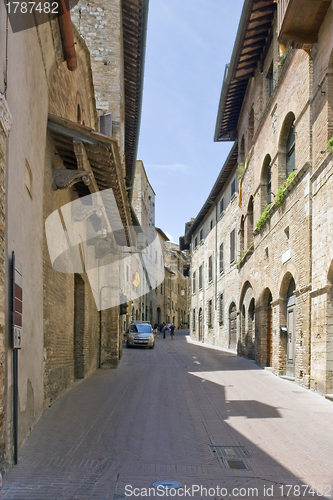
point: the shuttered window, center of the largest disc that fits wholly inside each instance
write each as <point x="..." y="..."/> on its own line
<point x="232" y="245"/>
<point x="200" y="277"/>
<point x="210" y="268"/>
<point x="209" y="312"/>
<point x="220" y="308"/>
<point x="193" y="281"/>
<point x="221" y="258"/>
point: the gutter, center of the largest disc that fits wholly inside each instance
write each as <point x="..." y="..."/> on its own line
<point x="230" y="68"/>
<point x="67" y="38"/>
<point x="135" y="150"/>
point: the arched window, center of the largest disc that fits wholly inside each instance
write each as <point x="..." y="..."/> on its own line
<point x="266" y="183"/>
<point x="287" y="148"/>
<point x="241" y="235"/>
<point x="78" y="113"/>
<point x="290" y="151"/>
<point x="249" y="223"/>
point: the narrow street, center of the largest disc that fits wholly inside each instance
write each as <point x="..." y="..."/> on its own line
<point x="157" y="417"/>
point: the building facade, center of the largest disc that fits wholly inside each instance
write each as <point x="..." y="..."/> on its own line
<point x="276" y="104"/>
<point x="53" y="157"/>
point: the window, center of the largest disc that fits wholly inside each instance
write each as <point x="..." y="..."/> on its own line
<point x="221" y="258"/>
<point x="162" y="288"/>
<point x="233" y="186"/>
<point x="209" y="312"/>
<point x="222" y="205"/>
<point x="201" y="234"/>
<point x="221" y="308"/>
<point x="211" y="224"/>
<point x="193" y="281"/>
<point x="193" y="320"/>
<point x="290" y="151"/>
<point x="232" y="245"/>
<point x="195" y="242"/>
<point x="200" y="277"/>
<point x="210" y="268"/>
<point x="269" y="184"/>
<point x="270" y="80"/>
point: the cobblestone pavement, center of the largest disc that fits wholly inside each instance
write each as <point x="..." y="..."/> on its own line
<point x="157" y="417"/>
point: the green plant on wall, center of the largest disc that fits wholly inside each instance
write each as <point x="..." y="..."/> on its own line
<point x="265" y="216"/>
<point x="280" y="195"/>
<point x="330" y="144"/>
<point x="240" y="170"/>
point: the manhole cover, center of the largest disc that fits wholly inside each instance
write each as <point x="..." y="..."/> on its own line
<point x="232" y="457"/>
<point x="166" y="485"/>
<point x="236" y="464"/>
<point x="230" y="451"/>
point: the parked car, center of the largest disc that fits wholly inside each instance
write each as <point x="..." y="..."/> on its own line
<point x="140" y="334"/>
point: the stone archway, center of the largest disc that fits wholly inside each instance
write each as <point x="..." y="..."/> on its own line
<point x="288" y="320"/>
<point x="200" y="325"/>
<point x="232" y="326"/>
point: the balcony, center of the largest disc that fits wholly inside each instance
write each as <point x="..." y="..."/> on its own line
<point x="299" y="21"/>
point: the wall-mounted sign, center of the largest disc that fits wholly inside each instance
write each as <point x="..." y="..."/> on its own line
<point x="17" y="303"/>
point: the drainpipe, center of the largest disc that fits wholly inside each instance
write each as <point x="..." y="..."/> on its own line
<point x="216" y="262"/>
<point x="67" y="37"/>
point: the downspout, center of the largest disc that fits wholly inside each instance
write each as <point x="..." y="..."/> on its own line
<point x="67" y="37"/>
<point x="216" y="263"/>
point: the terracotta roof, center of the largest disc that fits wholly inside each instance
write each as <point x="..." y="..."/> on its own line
<point x="253" y="38"/>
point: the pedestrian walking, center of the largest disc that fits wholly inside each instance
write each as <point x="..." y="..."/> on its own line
<point x="165" y="327"/>
<point x="172" y="331"/>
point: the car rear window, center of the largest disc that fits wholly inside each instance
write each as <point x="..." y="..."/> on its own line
<point x="141" y="328"/>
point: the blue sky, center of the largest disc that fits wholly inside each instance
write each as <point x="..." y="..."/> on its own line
<point x="189" y="42"/>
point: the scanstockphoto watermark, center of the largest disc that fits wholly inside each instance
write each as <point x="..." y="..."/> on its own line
<point x="122" y="262"/>
<point x="267" y="490"/>
<point x="191" y="491"/>
<point x="25" y="14"/>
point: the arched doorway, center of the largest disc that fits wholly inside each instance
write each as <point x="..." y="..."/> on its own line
<point x="291" y="316"/>
<point x="79" y="317"/>
<point x="269" y="331"/>
<point x="251" y="331"/>
<point x="232" y="326"/>
<point x="200" y="324"/>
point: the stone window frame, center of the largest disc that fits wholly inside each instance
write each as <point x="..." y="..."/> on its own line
<point x="210" y="268"/>
<point x="221" y="260"/>
<point x="233" y="245"/>
<point x="288" y="124"/>
<point x="194" y="282"/>
<point x="200" y="277"/>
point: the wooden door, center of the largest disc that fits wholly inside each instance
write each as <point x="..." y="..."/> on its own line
<point x="269" y="336"/>
<point x="233" y="327"/>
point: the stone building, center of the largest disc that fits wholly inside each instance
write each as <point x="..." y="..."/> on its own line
<point x="213" y="240"/>
<point x="176" y="285"/>
<point x="52" y="155"/>
<point x="166" y="300"/>
<point x="276" y="104"/>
